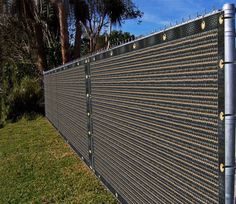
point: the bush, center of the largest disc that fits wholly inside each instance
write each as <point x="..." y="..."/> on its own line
<point x="3" y="112"/>
<point x="26" y="98"/>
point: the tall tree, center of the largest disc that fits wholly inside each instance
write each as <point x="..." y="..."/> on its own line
<point x="38" y="26"/>
<point x="81" y="15"/>
<point x="64" y="33"/>
<point x="26" y="12"/>
<point x="102" y="13"/>
<point x="114" y="37"/>
<point x="25" y="44"/>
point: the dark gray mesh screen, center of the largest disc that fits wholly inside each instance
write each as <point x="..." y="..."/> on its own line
<point x="155" y="121"/>
<point x="146" y="118"/>
<point x="50" y="99"/>
<point x="69" y="106"/>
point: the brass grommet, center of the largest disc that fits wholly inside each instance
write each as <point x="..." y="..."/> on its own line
<point x="221" y="19"/>
<point x="222" y="116"/>
<point x="221" y="64"/>
<point x="222" y="167"/>
<point x="164" y="37"/>
<point x="134" y="46"/>
<point x="203" y="25"/>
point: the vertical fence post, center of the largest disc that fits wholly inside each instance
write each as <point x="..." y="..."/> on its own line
<point x="230" y="101"/>
<point x="89" y="111"/>
<point x="56" y="101"/>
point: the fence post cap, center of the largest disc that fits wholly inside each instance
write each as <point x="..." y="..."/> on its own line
<point x="228" y="6"/>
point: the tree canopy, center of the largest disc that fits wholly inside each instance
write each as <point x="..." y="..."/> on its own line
<point x="37" y="35"/>
<point x="105" y="13"/>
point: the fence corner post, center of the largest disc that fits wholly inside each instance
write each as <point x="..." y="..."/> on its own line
<point x="230" y="100"/>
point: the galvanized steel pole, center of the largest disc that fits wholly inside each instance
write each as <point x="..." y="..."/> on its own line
<point x="230" y="101"/>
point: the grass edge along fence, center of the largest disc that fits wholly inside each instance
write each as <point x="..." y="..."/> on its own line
<point x="154" y="118"/>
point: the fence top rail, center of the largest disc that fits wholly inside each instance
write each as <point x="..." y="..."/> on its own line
<point x="85" y="59"/>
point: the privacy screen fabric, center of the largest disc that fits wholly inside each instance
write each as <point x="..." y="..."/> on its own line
<point x="145" y="116"/>
<point x="65" y="101"/>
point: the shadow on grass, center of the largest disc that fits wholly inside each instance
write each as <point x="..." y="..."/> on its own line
<point x="32" y="116"/>
<point x="27" y="116"/>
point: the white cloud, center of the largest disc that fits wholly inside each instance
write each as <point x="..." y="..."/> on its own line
<point x="151" y="18"/>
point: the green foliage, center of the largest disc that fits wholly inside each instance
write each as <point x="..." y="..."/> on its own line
<point x="84" y="46"/>
<point x="30" y="43"/>
<point x="2" y="111"/>
<point x="54" y="58"/>
<point x="21" y="92"/>
<point x="114" y="37"/>
<point x="119" y="36"/>
<point x="20" y="73"/>
<point x="36" y="166"/>
<point x="25" y="98"/>
<point x="102" y="14"/>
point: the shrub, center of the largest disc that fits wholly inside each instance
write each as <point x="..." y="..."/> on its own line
<point x="26" y="98"/>
<point x="3" y="112"/>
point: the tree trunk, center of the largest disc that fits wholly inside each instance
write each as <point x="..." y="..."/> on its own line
<point x="78" y="40"/>
<point x="91" y="49"/>
<point x="93" y="43"/>
<point x="109" y="35"/>
<point x="64" y="34"/>
<point x="41" y="55"/>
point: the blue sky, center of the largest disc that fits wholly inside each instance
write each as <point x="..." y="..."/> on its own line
<point x="158" y="13"/>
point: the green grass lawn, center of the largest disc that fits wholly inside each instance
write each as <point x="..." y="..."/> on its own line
<point x="37" y="166"/>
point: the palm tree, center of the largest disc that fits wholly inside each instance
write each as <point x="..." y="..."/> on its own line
<point x="40" y="33"/>
<point x="64" y="33"/>
<point x="26" y="12"/>
<point x="90" y="15"/>
<point x="102" y="13"/>
<point x="81" y="15"/>
<point x="119" y="10"/>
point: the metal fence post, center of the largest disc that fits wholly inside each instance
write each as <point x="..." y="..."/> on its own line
<point x="230" y="101"/>
<point x="89" y="112"/>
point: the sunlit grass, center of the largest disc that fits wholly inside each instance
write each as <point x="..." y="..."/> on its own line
<point x="37" y="166"/>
